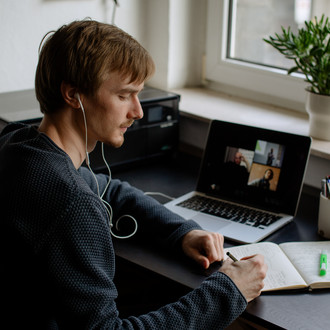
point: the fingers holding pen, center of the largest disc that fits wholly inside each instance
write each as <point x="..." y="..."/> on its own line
<point x="248" y="274"/>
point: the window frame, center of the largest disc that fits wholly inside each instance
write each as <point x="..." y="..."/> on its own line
<point x="258" y="82"/>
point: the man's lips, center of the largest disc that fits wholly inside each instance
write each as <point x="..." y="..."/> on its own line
<point x="125" y="127"/>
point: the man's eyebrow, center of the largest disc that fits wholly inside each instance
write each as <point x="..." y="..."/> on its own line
<point x="129" y="90"/>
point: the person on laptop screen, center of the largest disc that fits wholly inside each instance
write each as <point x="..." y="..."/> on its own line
<point x="237" y="170"/>
<point x="59" y="218"/>
<point x="264" y="182"/>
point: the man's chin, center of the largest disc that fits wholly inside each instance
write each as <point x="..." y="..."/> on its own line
<point x="118" y="145"/>
<point x="114" y="144"/>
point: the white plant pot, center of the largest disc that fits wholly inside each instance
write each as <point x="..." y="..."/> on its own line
<point x="318" y="109"/>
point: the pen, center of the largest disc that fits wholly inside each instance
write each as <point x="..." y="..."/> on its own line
<point x="324" y="188"/>
<point x="323" y="264"/>
<point x="327" y="179"/>
<point x="231" y="256"/>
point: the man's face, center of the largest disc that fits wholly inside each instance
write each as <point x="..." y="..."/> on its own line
<point x="112" y="110"/>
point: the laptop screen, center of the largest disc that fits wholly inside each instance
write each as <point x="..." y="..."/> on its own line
<point x="254" y="166"/>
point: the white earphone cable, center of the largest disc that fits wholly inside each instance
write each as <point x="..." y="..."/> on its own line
<point x="105" y="203"/>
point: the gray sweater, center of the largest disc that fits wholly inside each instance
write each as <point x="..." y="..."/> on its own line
<point x="57" y="255"/>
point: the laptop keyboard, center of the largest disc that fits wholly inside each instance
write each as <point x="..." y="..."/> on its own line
<point x="230" y="211"/>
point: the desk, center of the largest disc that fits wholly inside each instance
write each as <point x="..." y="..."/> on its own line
<point x="293" y="310"/>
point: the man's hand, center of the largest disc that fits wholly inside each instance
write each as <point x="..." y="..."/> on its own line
<point x="243" y="159"/>
<point x="248" y="274"/>
<point x="203" y="247"/>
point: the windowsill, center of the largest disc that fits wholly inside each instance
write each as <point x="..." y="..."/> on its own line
<point x="206" y="105"/>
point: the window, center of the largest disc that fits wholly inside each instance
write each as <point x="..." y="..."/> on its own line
<point x="239" y="61"/>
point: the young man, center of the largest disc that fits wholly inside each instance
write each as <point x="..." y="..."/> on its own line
<point x="57" y="256"/>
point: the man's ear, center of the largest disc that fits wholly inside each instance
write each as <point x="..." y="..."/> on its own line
<point x="69" y="93"/>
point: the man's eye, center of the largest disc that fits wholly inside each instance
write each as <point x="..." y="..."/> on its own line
<point x="123" y="97"/>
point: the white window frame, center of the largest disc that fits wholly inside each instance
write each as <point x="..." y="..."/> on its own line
<point x="258" y="82"/>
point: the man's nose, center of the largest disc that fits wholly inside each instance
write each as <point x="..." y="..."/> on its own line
<point x="137" y="111"/>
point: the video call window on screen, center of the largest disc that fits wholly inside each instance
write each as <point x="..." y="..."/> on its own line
<point x="260" y="167"/>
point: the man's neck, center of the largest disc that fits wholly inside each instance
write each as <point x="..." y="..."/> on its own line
<point x="63" y="129"/>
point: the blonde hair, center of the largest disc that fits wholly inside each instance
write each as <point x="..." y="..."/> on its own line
<point x="82" y="53"/>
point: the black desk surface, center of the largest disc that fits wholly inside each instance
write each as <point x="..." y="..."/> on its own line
<point x="289" y="310"/>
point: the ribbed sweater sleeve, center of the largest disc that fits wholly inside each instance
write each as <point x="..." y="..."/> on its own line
<point x="153" y="219"/>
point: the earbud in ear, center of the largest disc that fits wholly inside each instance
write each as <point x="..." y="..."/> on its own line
<point x="77" y="96"/>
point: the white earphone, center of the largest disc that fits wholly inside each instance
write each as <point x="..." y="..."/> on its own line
<point x="105" y="203"/>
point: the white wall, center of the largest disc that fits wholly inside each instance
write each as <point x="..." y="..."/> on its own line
<point x="172" y="30"/>
<point x="157" y="39"/>
<point x="25" y="22"/>
<point x="187" y="24"/>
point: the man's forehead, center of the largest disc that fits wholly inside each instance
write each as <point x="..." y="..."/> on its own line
<point x="122" y="83"/>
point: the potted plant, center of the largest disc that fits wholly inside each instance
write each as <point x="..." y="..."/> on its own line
<point x="310" y="51"/>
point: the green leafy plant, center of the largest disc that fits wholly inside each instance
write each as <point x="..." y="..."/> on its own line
<point x="310" y="50"/>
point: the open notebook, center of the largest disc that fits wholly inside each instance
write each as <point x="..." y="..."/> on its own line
<point x="249" y="183"/>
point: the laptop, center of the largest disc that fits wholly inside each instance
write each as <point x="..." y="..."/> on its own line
<point x="249" y="183"/>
